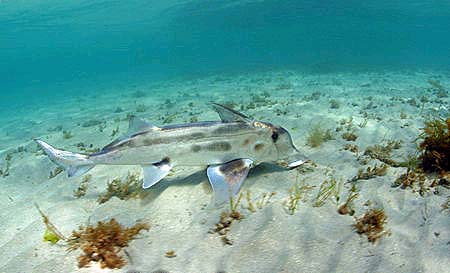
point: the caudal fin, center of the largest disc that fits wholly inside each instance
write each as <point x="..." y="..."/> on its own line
<point x="75" y="164"/>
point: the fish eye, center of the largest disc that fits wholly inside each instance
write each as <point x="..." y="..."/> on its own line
<point x="275" y="136"/>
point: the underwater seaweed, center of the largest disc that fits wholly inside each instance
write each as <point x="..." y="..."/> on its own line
<point x="87" y="148"/>
<point x="329" y="187"/>
<point x="260" y="202"/>
<point x="5" y="172"/>
<point x="383" y="152"/>
<point x="370" y="172"/>
<point x="82" y="188"/>
<point x="347" y="207"/>
<point x="351" y="147"/>
<point x="226" y="220"/>
<point x="67" y="134"/>
<point x="55" y="172"/>
<point x="130" y="188"/>
<point x="103" y="243"/>
<point x="317" y="135"/>
<point x="296" y="194"/>
<point x="334" y="104"/>
<point x="115" y="132"/>
<point x="371" y="224"/>
<point x="51" y="234"/>
<point x="435" y="146"/>
<point x="349" y="136"/>
<point x="409" y="179"/>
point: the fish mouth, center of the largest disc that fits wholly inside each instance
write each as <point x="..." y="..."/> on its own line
<point x="296" y="163"/>
<point x="293" y="161"/>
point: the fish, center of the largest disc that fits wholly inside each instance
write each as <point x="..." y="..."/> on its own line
<point x="228" y="149"/>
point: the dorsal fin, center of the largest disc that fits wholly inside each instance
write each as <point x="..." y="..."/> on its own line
<point x="139" y="125"/>
<point x="229" y="115"/>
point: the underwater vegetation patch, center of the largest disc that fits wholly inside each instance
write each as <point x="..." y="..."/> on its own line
<point x="124" y="190"/>
<point x="67" y="134"/>
<point x="51" y="234"/>
<point x="5" y="172"/>
<point x="435" y="146"/>
<point x="296" y="194"/>
<point x="318" y="135"/>
<point x="334" y="104"/>
<point x="227" y="218"/>
<point x="370" y="172"/>
<point x="349" y="136"/>
<point x="264" y="199"/>
<point x="329" y="187"/>
<point x="410" y="178"/>
<point x="102" y="243"/>
<point x="55" y="172"/>
<point x="383" y="152"/>
<point x="352" y="148"/>
<point x="82" y="188"/>
<point x="371" y="224"/>
<point x="347" y="207"/>
<point x="87" y="148"/>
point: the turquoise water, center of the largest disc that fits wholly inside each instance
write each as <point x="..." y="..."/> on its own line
<point x="47" y="43"/>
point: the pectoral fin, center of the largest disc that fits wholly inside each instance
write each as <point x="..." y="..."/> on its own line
<point x="226" y="179"/>
<point x="155" y="172"/>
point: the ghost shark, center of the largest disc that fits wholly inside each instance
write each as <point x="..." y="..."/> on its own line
<point x="229" y="148"/>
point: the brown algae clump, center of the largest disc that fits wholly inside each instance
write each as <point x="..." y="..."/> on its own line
<point x="124" y="190"/>
<point x="347" y="207"/>
<point x="370" y="172"/>
<point x="435" y="146"/>
<point x="82" y="188"/>
<point x="383" y="152"/>
<point x="104" y="242"/>
<point x="227" y="219"/>
<point x="371" y="224"/>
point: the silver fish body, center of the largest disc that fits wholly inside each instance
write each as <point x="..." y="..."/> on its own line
<point x="228" y="147"/>
<point x="192" y="144"/>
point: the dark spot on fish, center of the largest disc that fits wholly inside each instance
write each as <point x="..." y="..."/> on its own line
<point x="259" y="147"/>
<point x="220" y="146"/>
<point x="196" y="148"/>
<point x="164" y="161"/>
<point x="246" y="142"/>
<point x="197" y="135"/>
<point x="148" y="142"/>
<point x="233" y="166"/>
<point x="275" y="136"/>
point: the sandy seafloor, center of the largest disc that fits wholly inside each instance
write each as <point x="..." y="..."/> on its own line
<point x="313" y="239"/>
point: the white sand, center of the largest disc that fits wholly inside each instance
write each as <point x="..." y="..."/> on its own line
<point x="313" y="239"/>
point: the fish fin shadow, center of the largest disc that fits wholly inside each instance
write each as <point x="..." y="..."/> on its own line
<point x="200" y="177"/>
<point x="194" y="178"/>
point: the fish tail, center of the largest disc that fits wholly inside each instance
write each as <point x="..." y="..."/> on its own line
<point x="75" y="164"/>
